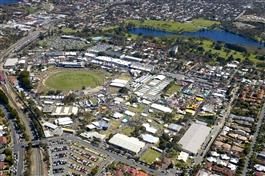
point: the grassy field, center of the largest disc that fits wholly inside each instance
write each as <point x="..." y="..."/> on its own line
<point x="172" y="26"/>
<point x="150" y="156"/>
<point x="127" y="130"/>
<point x="68" y="31"/>
<point x="173" y="88"/>
<point x="207" y="45"/>
<point x="74" y="80"/>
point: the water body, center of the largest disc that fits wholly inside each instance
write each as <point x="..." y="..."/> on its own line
<point x="223" y="36"/>
<point x="215" y="35"/>
<point x="8" y="1"/>
<point x="150" y="32"/>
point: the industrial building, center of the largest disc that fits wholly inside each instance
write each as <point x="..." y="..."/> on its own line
<point x="10" y="63"/>
<point x="130" y="144"/>
<point x="65" y="111"/>
<point x="194" y="137"/>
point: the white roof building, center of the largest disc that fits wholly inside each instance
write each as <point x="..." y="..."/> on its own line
<point x="10" y="62"/>
<point x="194" y="138"/>
<point x="149" y="129"/>
<point x="117" y="115"/>
<point x="259" y="167"/>
<point x="131" y="144"/>
<point x="118" y="83"/>
<point x="47" y="133"/>
<point x="150" y="138"/>
<point x="65" y="111"/>
<point x="63" y="121"/>
<point x="183" y="156"/>
<point x="161" y="108"/>
<point x="49" y="125"/>
<point x="93" y="134"/>
<point x="129" y="113"/>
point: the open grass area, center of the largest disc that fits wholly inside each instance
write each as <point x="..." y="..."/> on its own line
<point x="208" y="46"/>
<point x="68" y="30"/>
<point x="127" y="130"/>
<point x="150" y="156"/>
<point x="74" y="80"/>
<point x="173" y="88"/>
<point x="172" y="26"/>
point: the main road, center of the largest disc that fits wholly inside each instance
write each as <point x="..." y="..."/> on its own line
<point x="12" y="95"/>
<point x="19" y="151"/>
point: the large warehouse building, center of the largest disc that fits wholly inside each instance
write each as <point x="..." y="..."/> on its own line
<point x="194" y="137"/>
<point x="130" y="144"/>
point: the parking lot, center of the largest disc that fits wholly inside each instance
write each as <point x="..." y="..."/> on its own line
<point x="68" y="158"/>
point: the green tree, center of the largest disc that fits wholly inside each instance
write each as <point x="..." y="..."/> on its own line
<point x="24" y="80"/>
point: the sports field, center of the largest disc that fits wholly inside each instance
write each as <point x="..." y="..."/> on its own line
<point x="74" y="80"/>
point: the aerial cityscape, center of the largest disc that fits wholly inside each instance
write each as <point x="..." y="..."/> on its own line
<point x="132" y="88"/>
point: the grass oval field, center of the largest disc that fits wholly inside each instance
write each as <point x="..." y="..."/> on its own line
<point x="74" y="80"/>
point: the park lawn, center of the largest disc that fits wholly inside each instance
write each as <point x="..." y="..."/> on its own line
<point x="150" y="156"/>
<point x="207" y="45"/>
<point x="127" y="130"/>
<point x="173" y="88"/>
<point x="172" y="26"/>
<point x="68" y="31"/>
<point x="110" y="28"/>
<point x="74" y="80"/>
<point x="133" y="36"/>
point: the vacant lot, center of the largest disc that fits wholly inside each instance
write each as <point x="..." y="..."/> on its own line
<point x="74" y="80"/>
<point x="150" y="156"/>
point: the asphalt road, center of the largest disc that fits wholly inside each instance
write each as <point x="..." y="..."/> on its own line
<point x="15" y="139"/>
<point x="8" y="89"/>
<point x="261" y="117"/>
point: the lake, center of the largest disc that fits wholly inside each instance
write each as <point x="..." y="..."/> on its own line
<point x="215" y="35"/>
<point x="8" y="1"/>
<point x="150" y="32"/>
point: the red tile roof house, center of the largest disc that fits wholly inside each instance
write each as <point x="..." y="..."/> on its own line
<point x="3" y="165"/>
<point x="3" y="140"/>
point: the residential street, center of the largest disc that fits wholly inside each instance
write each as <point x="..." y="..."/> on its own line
<point x="261" y="117"/>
